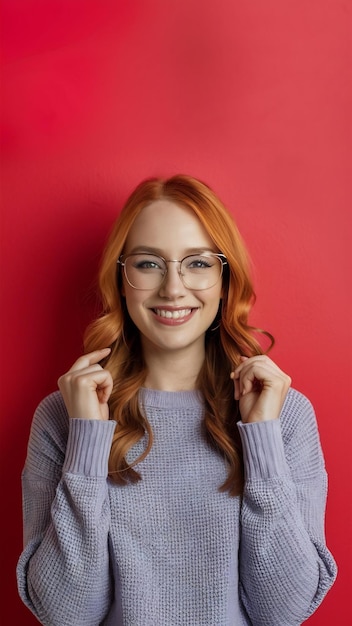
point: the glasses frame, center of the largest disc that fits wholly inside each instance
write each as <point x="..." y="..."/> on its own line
<point x="123" y="257"/>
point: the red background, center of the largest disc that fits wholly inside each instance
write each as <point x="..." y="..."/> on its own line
<point x="254" y="98"/>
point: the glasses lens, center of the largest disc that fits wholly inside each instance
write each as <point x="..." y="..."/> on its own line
<point x="201" y="271"/>
<point x="145" y="271"/>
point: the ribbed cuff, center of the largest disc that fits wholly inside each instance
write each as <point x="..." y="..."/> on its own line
<point x="88" y="447"/>
<point x="263" y="450"/>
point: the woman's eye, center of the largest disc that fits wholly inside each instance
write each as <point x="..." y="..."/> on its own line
<point x="148" y="265"/>
<point x="199" y="264"/>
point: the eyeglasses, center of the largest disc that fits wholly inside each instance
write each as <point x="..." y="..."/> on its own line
<point x="148" y="271"/>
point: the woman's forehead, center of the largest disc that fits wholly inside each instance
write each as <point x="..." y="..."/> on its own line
<point x="163" y="223"/>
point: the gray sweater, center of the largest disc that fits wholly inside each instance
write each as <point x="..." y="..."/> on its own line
<point x="172" y="550"/>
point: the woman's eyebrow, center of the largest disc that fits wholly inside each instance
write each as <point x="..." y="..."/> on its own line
<point x="160" y="252"/>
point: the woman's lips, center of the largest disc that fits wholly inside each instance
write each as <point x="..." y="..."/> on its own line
<point x="172" y="317"/>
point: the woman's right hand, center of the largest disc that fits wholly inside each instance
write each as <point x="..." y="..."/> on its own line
<point x="86" y="387"/>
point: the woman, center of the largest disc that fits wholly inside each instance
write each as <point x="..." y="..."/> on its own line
<point x="175" y="478"/>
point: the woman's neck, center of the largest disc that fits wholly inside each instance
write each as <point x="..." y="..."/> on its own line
<point x="177" y="371"/>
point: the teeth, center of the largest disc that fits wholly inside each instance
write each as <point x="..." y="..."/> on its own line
<point x="174" y="315"/>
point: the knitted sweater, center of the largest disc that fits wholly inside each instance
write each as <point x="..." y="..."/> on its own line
<point x="171" y="549"/>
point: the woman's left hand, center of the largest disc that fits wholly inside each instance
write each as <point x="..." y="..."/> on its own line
<point x="260" y="388"/>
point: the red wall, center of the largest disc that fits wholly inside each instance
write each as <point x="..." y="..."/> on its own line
<point x="253" y="98"/>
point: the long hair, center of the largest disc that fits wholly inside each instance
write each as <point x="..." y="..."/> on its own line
<point x="230" y="336"/>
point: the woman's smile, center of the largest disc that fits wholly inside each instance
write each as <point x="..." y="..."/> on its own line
<point x="173" y="316"/>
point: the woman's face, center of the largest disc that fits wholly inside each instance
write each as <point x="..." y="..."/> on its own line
<point x="170" y="316"/>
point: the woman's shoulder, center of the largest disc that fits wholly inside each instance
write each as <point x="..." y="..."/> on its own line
<point x="296" y="411"/>
<point x="52" y="403"/>
<point x="51" y="416"/>
<point x="48" y="438"/>
<point x="299" y="427"/>
<point x="296" y="401"/>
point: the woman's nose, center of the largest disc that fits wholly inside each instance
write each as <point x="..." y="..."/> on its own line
<point x="172" y="285"/>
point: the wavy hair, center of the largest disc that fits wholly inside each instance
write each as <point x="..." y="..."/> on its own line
<point x="230" y="337"/>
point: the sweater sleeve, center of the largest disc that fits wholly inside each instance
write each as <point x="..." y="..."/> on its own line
<point x="285" y="566"/>
<point x="64" y="572"/>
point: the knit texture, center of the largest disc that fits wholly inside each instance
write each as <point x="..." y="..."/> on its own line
<point x="172" y="549"/>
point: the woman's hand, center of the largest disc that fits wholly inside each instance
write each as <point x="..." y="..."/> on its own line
<point x="260" y="388"/>
<point x="86" y="387"/>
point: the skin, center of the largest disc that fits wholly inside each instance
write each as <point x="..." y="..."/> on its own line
<point x="173" y="349"/>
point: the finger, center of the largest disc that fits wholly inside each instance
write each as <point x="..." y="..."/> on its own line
<point x="247" y="361"/>
<point x="236" y="375"/>
<point x="95" y="379"/>
<point x="236" y="384"/>
<point x="104" y="392"/>
<point x="73" y="375"/>
<point x="90" y="359"/>
<point x="260" y="361"/>
<point x="242" y="383"/>
<point x="247" y="383"/>
<point x="234" y="372"/>
<point x="260" y="378"/>
<point x="255" y="372"/>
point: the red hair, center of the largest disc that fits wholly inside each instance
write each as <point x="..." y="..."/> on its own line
<point x="223" y="346"/>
